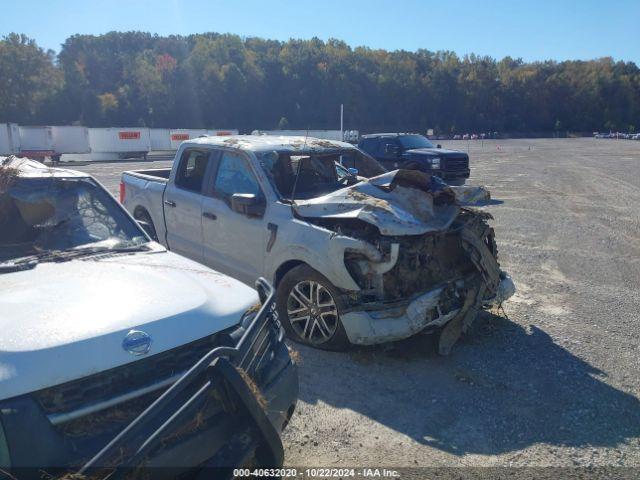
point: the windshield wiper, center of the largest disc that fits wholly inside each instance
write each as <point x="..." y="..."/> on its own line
<point x="26" y="263"/>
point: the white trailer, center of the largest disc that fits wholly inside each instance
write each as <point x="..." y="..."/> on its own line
<point x="9" y="139"/>
<point x="346" y="136"/>
<point x="53" y="141"/>
<point x="160" y="139"/>
<point x="69" y="140"/>
<point x="36" y="142"/>
<point x="165" y="139"/>
<point x="180" y="135"/>
<point x="119" y="142"/>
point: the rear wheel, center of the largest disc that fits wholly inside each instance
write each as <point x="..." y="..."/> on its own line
<point x="310" y="308"/>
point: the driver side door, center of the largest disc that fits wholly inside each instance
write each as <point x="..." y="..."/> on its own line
<point x="234" y="243"/>
<point x="389" y="151"/>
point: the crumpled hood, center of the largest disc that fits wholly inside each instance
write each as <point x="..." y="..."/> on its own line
<point x="435" y="152"/>
<point x="402" y="202"/>
<point x="64" y="321"/>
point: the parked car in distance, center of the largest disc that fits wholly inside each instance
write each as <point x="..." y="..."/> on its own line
<point x="415" y="152"/>
<point x="98" y="321"/>
<point x="354" y="262"/>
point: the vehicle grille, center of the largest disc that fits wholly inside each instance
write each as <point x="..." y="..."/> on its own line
<point x="456" y="164"/>
<point x="136" y="376"/>
<point x="118" y="381"/>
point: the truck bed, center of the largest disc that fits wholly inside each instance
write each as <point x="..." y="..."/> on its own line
<point x="151" y="174"/>
<point x="142" y="193"/>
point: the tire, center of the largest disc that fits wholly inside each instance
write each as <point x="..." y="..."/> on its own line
<point x="143" y="217"/>
<point x="317" y="305"/>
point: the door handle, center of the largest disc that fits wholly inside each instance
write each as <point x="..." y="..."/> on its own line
<point x="210" y="216"/>
<point x="170" y="203"/>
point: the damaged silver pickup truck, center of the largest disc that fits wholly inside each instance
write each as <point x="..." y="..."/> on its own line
<point x="354" y="261"/>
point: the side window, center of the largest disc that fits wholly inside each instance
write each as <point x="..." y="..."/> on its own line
<point x="235" y="176"/>
<point x="386" y="147"/>
<point x="190" y="174"/>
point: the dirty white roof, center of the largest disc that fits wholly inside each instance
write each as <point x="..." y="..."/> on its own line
<point x="267" y="143"/>
<point x="29" y="168"/>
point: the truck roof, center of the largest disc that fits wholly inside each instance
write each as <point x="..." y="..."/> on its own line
<point x="28" y="168"/>
<point x="267" y="143"/>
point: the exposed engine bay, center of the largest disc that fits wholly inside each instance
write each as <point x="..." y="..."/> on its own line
<point x="431" y="248"/>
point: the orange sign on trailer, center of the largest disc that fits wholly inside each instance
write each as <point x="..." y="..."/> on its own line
<point x="129" y="135"/>
<point x="179" y="137"/>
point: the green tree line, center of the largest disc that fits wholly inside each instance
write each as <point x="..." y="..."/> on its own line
<point x="225" y="81"/>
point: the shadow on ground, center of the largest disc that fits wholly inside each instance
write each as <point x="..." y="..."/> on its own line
<point x="503" y="388"/>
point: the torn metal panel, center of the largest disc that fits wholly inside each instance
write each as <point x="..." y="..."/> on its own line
<point x="402" y="202"/>
<point x="459" y="271"/>
<point x="430" y="310"/>
<point x="470" y="195"/>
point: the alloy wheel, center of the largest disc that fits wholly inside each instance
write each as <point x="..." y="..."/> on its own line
<point x="312" y="312"/>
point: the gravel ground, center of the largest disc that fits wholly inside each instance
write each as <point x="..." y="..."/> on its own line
<point x="556" y="383"/>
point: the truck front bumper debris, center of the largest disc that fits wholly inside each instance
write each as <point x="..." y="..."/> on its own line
<point x="428" y="311"/>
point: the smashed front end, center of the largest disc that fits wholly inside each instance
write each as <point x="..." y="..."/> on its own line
<point x="437" y="264"/>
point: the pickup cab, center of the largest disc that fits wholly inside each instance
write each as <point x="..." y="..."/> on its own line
<point x="100" y="324"/>
<point x="354" y="261"/>
<point x="416" y="152"/>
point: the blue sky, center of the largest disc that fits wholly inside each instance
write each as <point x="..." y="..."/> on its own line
<point x="533" y="30"/>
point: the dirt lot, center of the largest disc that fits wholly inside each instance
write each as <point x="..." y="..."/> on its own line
<point x="554" y="384"/>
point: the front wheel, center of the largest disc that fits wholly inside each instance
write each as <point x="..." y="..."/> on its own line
<point x="310" y="308"/>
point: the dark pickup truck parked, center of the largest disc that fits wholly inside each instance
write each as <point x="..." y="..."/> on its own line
<point x="416" y="152"/>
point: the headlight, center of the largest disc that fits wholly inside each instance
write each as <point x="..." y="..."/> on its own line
<point x="435" y="162"/>
<point x="5" y="460"/>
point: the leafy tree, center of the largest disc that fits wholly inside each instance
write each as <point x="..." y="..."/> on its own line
<point x="224" y="81"/>
<point x="29" y="80"/>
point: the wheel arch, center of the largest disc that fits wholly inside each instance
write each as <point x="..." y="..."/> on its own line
<point x="142" y="215"/>
<point x="139" y="211"/>
<point x="415" y="165"/>
<point x="283" y="269"/>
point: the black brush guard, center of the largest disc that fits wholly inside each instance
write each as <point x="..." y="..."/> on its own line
<point x="219" y="370"/>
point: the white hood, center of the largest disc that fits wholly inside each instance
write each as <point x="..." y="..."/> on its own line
<point x="64" y="321"/>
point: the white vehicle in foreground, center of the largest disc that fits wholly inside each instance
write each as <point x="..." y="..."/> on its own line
<point x="354" y="261"/>
<point x="98" y="321"/>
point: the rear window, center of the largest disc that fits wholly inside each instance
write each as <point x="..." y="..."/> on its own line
<point x="190" y="174"/>
<point x="369" y="144"/>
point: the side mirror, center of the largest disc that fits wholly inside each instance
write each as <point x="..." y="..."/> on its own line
<point x="353" y="171"/>
<point x="438" y="146"/>
<point x="247" y="204"/>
